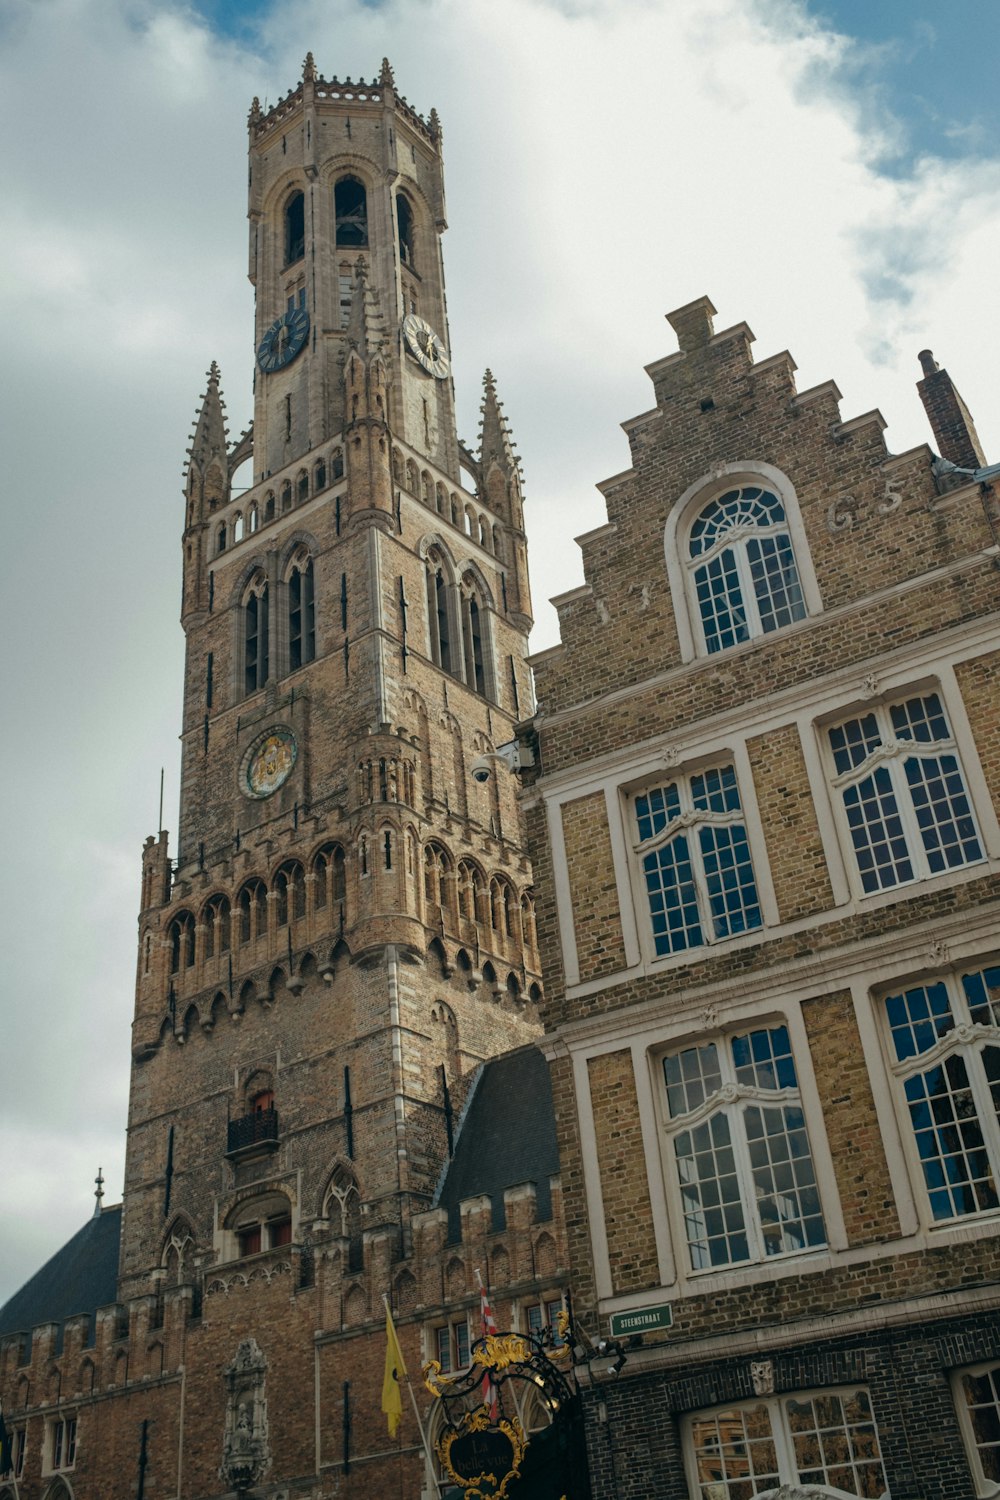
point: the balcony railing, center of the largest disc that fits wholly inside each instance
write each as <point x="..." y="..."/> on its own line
<point x="259" y="1129"/>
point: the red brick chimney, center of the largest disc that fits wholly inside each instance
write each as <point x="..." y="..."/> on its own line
<point x="950" y="418"/>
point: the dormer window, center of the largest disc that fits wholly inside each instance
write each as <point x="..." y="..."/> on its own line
<point x="350" y="206"/>
<point x="295" y="228"/>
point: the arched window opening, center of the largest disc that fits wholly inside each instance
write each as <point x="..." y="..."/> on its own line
<point x="435" y="875"/>
<point x="484" y="533"/>
<point x="302" y="486"/>
<point x="239" y="530"/>
<point x="528" y="933"/>
<point x="216" y="923"/>
<point x="253" y="911"/>
<point x="220" y="537"/>
<point x="743" y="568"/>
<point x="269" y="506"/>
<point x="350" y="207"/>
<point x="363" y="852"/>
<point x="289" y="893"/>
<point x="328" y="867"/>
<point x="255" y="635"/>
<point x="412" y="477"/>
<point x="286" y="495"/>
<point x="475" y="670"/>
<point x="337" y="465"/>
<point x="253" y="519"/>
<point x="319" y="474"/>
<point x="295" y="228"/>
<point x="387" y="849"/>
<point x="343" y="1208"/>
<point x="264" y="1224"/>
<point x="181" y="936"/>
<point x="437" y="615"/>
<point x="404" y="219"/>
<point x="301" y="615"/>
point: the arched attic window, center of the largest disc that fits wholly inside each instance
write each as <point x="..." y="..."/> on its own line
<point x="742" y="567"/>
<point x="350" y="208"/>
<point x="255" y="633"/>
<point x="404" y="221"/>
<point x="295" y="228"/>
<point x="263" y="1223"/>
<point x="301" y="612"/>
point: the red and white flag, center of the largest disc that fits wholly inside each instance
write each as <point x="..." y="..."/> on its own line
<point x="490" y="1396"/>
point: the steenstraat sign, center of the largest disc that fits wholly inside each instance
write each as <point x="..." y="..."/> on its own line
<point x="641" y="1320"/>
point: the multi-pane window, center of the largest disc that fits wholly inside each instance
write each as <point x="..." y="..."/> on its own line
<point x="977" y="1393"/>
<point x="945" y="1044"/>
<point x="739" y="1150"/>
<point x="15" y="1467"/>
<point x="904" y="797"/>
<point x="826" y="1438"/>
<point x="452" y="1345"/>
<point x="63" y="1441"/>
<point x="743" y="567"/>
<point x="544" y="1316"/>
<point x="695" y="860"/>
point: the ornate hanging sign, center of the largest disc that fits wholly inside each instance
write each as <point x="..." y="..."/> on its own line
<point x="483" y="1441"/>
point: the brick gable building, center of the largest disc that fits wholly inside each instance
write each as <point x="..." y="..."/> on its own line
<point x="765" y="833"/>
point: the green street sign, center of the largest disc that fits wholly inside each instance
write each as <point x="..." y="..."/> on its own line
<point x="642" y="1320"/>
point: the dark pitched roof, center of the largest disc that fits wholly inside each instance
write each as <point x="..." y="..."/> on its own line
<point x="507" y="1136"/>
<point x="80" y="1278"/>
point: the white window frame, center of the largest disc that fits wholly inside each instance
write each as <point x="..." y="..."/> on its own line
<point x="61" y="1442"/>
<point x="451" y="1330"/>
<point x="689" y="822"/>
<point x="729" y="1100"/>
<point x="966" y="1039"/>
<point x="685" y="511"/>
<point x="891" y="753"/>
<point x="985" y="1488"/>
<point x="781" y="1435"/>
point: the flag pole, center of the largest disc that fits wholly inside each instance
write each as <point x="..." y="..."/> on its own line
<point x="420" y="1426"/>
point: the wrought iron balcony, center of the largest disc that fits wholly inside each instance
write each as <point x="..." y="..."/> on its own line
<point x="252" y="1133"/>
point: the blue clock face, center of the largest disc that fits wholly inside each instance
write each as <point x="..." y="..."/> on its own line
<point x="283" y="340"/>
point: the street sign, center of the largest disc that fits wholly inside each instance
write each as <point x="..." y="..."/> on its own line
<point x="641" y="1320"/>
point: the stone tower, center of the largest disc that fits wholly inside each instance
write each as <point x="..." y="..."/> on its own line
<point x="346" y="929"/>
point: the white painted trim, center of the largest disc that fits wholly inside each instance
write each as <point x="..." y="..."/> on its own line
<point x="592" y="1177"/>
<point x="563" y="894"/>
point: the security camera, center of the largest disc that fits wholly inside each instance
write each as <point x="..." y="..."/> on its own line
<point x="482" y="769"/>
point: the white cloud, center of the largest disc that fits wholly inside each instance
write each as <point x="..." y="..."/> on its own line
<point x="606" y="161"/>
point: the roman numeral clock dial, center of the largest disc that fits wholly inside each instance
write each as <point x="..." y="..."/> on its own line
<point x="283" y="340"/>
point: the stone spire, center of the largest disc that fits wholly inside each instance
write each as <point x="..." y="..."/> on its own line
<point x="209" y="439"/>
<point x="495" y="442"/>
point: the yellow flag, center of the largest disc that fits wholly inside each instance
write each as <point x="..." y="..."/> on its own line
<point x="395" y="1371"/>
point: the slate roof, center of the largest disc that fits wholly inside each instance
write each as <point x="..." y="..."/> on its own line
<point x="80" y="1278"/>
<point x="507" y="1136"/>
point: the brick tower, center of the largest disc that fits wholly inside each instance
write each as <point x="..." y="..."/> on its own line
<point x="347" y="927"/>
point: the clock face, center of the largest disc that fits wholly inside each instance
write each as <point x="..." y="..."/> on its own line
<point x="283" y="340"/>
<point x="269" y="763"/>
<point x="425" y="346"/>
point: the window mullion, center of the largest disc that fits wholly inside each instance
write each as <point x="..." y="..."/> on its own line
<point x="744" y="1173"/>
<point x="788" y="1469"/>
<point x="908" y="816"/>
<point x="747" y="591"/>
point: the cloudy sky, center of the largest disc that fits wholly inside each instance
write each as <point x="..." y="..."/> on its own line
<point x="829" y="172"/>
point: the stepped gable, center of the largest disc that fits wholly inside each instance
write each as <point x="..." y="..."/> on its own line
<point x="507" y="1136"/>
<point x="80" y="1278"/>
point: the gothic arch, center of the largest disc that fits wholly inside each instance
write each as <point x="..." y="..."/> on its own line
<point x="179" y="1242"/>
<point x="430" y="542"/>
<point x="467" y="568"/>
<point x="299" y="538"/>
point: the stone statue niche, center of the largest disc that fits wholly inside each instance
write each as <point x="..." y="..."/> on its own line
<point x="246" y="1454"/>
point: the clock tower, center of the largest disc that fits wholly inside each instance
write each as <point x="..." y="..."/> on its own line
<point x="345" y="928"/>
